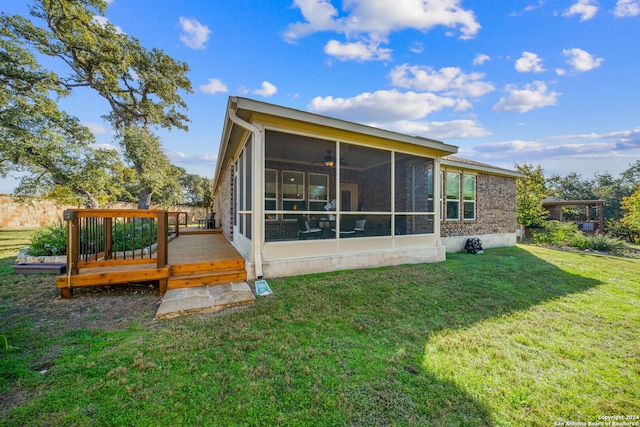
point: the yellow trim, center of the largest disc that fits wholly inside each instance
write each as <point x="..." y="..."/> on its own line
<point x="286" y="125"/>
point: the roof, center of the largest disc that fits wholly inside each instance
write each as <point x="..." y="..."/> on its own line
<point x="554" y="201"/>
<point x="245" y="106"/>
<point x="459" y="162"/>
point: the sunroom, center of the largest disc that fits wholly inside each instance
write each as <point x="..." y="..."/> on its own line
<point x="299" y="193"/>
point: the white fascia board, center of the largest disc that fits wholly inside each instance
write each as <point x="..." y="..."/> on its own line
<point x="481" y="168"/>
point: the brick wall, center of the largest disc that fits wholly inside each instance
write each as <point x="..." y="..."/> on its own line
<point x="495" y="210"/>
<point x="32" y="213"/>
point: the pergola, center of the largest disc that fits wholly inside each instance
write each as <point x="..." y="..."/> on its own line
<point x="592" y="221"/>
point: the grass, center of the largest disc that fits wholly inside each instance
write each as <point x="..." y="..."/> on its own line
<point x="512" y="337"/>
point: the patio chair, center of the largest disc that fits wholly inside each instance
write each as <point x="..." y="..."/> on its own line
<point x="305" y="231"/>
<point x="347" y="228"/>
<point x="359" y="227"/>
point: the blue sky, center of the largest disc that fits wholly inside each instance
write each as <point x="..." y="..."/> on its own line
<point x="549" y="82"/>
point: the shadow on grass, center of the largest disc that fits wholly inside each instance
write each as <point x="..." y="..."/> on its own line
<point x="341" y="348"/>
<point x="383" y="317"/>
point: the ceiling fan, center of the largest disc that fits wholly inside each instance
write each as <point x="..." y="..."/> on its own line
<point x="329" y="160"/>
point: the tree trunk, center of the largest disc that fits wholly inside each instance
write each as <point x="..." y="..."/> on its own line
<point x="144" y="199"/>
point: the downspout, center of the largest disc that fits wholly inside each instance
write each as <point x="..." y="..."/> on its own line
<point x="257" y="212"/>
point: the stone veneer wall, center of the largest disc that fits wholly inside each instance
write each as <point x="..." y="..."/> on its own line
<point x="30" y="213"/>
<point x="35" y="213"/>
<point x="495" y="209"/>
<point x="223" y="205"/>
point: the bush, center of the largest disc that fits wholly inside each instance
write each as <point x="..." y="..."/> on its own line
<point x="604" y="243"/>
<point x="50" y="241"/>
<point x="558" y="233"/>
<point x="134" y="235"/>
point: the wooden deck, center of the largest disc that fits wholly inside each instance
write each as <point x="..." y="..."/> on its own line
<point x="195" y="258"/>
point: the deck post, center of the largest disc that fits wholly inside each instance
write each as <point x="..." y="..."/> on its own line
<point x="162" y="238"/>
<point x="73" y="231"/>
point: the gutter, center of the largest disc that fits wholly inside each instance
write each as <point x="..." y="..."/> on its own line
<point x="258" y="213"/>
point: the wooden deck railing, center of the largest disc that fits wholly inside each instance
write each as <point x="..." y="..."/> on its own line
<point x="111" y="237"/>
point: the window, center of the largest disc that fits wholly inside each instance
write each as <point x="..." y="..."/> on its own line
<point x="469" y="204"/>
<point x="318" y="191"/>
<point x="270" y="193"/>
<point x="453" y="196"/>
<point x="293" y="198"/>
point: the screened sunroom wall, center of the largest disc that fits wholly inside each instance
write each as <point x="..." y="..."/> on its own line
<point x="364" y="173"/>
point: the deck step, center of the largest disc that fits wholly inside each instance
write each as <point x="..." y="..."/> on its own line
<point x="40" y="268"/>
<point x="206" y="267"/>
<point x="206" y="278"/>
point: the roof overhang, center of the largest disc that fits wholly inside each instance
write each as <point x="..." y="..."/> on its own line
<point x="559" y="202"/>
<point x="246" y="108"/>
<point x="456" y="162"/>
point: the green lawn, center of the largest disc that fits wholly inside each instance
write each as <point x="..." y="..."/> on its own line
<point x="520" y="336"/>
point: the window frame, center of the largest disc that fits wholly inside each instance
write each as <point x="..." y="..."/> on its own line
<point x="320" y="202"/>
<point x="290" y="215"/>
<point x="472" y="201"/>
<point x="271" y="216"/>
<point x="448" y="200"/>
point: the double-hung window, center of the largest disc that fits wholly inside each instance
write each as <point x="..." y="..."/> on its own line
<point x="270" y="193"/>
<point x="469" y="204"/>
<point x="293" y="195"/>
<point x="453" y="196"/>
<point x="318" y="191"/>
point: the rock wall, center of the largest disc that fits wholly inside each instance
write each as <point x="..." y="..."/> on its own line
<point x="33" y="213"/>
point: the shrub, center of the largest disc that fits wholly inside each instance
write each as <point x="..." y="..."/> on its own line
<point x="604" y="243"/>
<point x="50" y="241"/>
<point x="134" y="235"/>
<point x="558" y="233"/>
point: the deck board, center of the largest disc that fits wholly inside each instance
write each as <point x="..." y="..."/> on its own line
<point x="189" y="249"/>
<point x="196" y="248"/>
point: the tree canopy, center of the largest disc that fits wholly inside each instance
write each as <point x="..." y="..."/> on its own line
<point x="143" y="88"/>
<point x="530" y="191"/>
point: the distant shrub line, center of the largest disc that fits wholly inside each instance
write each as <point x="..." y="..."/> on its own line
<point x="556" y="233"/>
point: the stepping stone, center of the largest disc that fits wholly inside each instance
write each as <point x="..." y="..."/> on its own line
<point x="177" y="302"/>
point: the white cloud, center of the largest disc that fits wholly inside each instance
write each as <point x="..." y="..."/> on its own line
<point x="103" y="22"/>
<point x="417" y="47"/>
<point x="533" y="96"/>
<point x="195" y="34"/>
<point x="214" y="86"/>
<point x="529" y="63"/>
<point x="533" y="7"/>
<point x="622" y="138"/>
<point x="585" y="8"/>
<point x="369" y="23"/>
<point x="266" y="90"/>
<point x="480" y="59"/>
<point x="442" y="131"/>
<point x="582" y="153"/>
<point x="581" y="60"/>
<point x="383" y="106"/>
<point x="98" y="129"/>
<point x="357" y="51"/>
<point x="180" y="157"/>
<point x="449" y="80"/>
<point x="382" y="17"/>
<point x="626" y="8"/>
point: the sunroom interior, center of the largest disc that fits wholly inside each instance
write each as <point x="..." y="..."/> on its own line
<point x="324" y="189"/>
